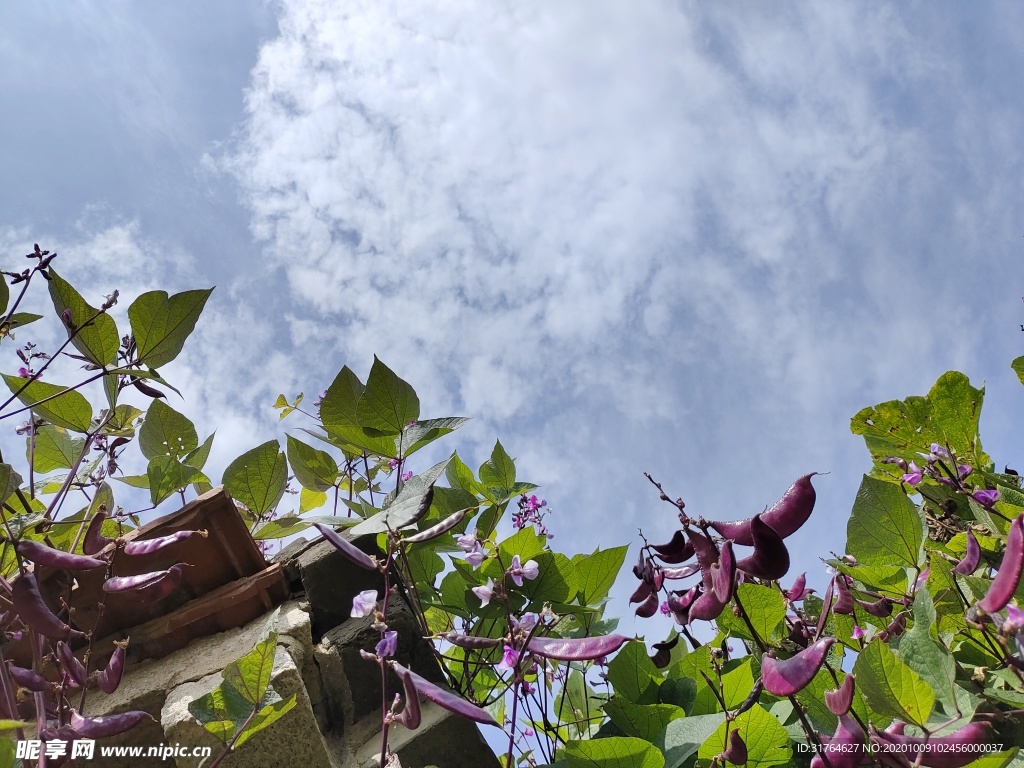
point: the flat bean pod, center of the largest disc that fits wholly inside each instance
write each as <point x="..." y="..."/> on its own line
<point x="149" y="546"/>
<point x="34" y="612"/>
<point x="57" y="558"/>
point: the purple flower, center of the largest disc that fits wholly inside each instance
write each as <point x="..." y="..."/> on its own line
<point x="938" y="451"/>
<point x="858" y="633"/>
<point x="485" y="592"/>
<point x="25" y="373"/>
<point x="527" y="623"/>
<point x="467" y="541"/>
<point x="406" y="476"/>
<point x="392" y="463"/>
<point x="476" y="557"/>
<point x="1014" y="620"/>
<point x="964" y="470"/>
<point x="509" y="660"/>
<point x="897" y="461"/>
<point x="364" y="603"/>
<point x="530" y="570"/>
<point x="388" y="644"/>
<point x="922" y="579"/>
<point x="665" y="610"/>
<point x="986" y="498"/>
<point x="914" y="476"/>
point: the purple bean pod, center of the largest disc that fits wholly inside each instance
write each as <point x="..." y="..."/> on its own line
<point x="663" y="652"/>
<point x="683" y="572"/>
<point x="450" y="701"/>
<point x="723" y="574"/>
<point x="784" y="677"/>
<point x="770" y="560"/>
<point x="472" y="642"/>
<point x="148" y="546"/>
<point x="40" y="554"/>
<point x="94" y="540"/>
<point x="736" y="752"/>
<point x="74" y="668"/>
<point x="677" y="550"/>
<point x="1005" y="582"/>
<point x="840" y="700"/>
<point x="108" y="725"/>
<point x="410" y="714"/>
<point x="846" y="748"/>
<point x="648" y="607"/>
<point x="436" y="530"/>
<point x="785" y="516"/>
<point x="35" y="613"/>
<point x="110" y="676"/>
<point x="937" y="751"/>
<point x="347" y="548"/>
<point x="26" y="678"/>
<point x="641" y="593"/>
<point x="148" y="585"/>
<point x="880" y="608"/>
<point x="576" y="649"/>
<point x="972" y="558"/>
<point x="845" y="602"/>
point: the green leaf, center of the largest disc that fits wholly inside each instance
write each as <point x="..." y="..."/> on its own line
<point x="405" y="507"/>
<point x="633" y="675"/>
<point x="122" y="422"/>
<point x="948" y="415"/>
<point x="1018" y="367"/>
<point x="280" y="527"/>
<point x="17" y="320"/>
<point x="68" y="408"/>
<point x="923" y="653"/>
<point x="99" y="340"/>
<point x="645" y="721"/>
<point x="165" y="475"/>
<point x="10" y="481"/>
<point x="461" y="476"/>
<point x="943" y="589"/>
<point x="258" y="477"/>
<point x="388" y="403"/>
<point x="55" y="449"/>
<point x="250" y="675"/>
<point x="268" y="715"/>
<point x="423" y="433"/>
<point x="683" y="737"/>
<point x="198" y="456"/>
<point x="5" y="294"/>
<point x="595" y="573"/>
<point x="162" y="323"/>
<point x="613" y="752"/>
<point x="736" y="684"/>
<point x="885" y="527"/>
<point x="555" y="582"/>
<point x="314" y="469"/>
<point x="311" y="500"/>
<point x="890" y="687"/>
<point x="498" y="472"/>
<point x="165" y="432"/>
<point x="766" y="609"/>
<point x="767" y="741"/>
<point x="338" y="408"/>
<point x="222" y="711"/>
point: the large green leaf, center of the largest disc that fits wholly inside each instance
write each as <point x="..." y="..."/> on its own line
<point x="683" y="737"/>
<point x="388" y="403"/>
<point x="596" y="572"/>
<point x="165" y="432"/>
<point x="885" y="527"/>
<point x="197" y="456"/>
<point x="890" y="687"/>
<point x="99" y="340"/>
<point x="924" y="654"/>
<point x="10" y="481"/>
<point x="736" y="685"/>
<point x="765" y="608"/>
<point x="55" y="449"/>
<point x="314" y="469"/>
<point x="258" y="477"/>
<point x="250" y="675"/>
<point x="555" y="582"/>
<point x="633" y="675"/>
<point x="948" y="415"/>
<point x="338" y="408"/>
<point x="166" y="475"/>
<point x="645" y="721"/>
<point x="498" y="472"/>
<point x="273" y="710"/>
<point x="405" y="508"/>
<point x="423" y="433"/>
<point x="162" y="323"/>
<point x="613" y="752"/>
<point x="767" y="741"/>
<point x="67" y="408"/>
<point x="5" y="294"/>
<point x="1018" y="367"/>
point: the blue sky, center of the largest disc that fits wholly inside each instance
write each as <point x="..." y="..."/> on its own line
<point x="682" y="238"/>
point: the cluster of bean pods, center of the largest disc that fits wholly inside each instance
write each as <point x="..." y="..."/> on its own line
<point x="35" y="615"/>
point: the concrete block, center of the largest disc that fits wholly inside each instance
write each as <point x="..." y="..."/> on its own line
<point x="331" y="580"/>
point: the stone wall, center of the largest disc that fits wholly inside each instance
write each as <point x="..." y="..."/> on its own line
<point x="336" y="721"/>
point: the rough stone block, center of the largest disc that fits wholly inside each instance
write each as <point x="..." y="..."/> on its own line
<point x="293" y="740"/>
<point x="331" y="580"/>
